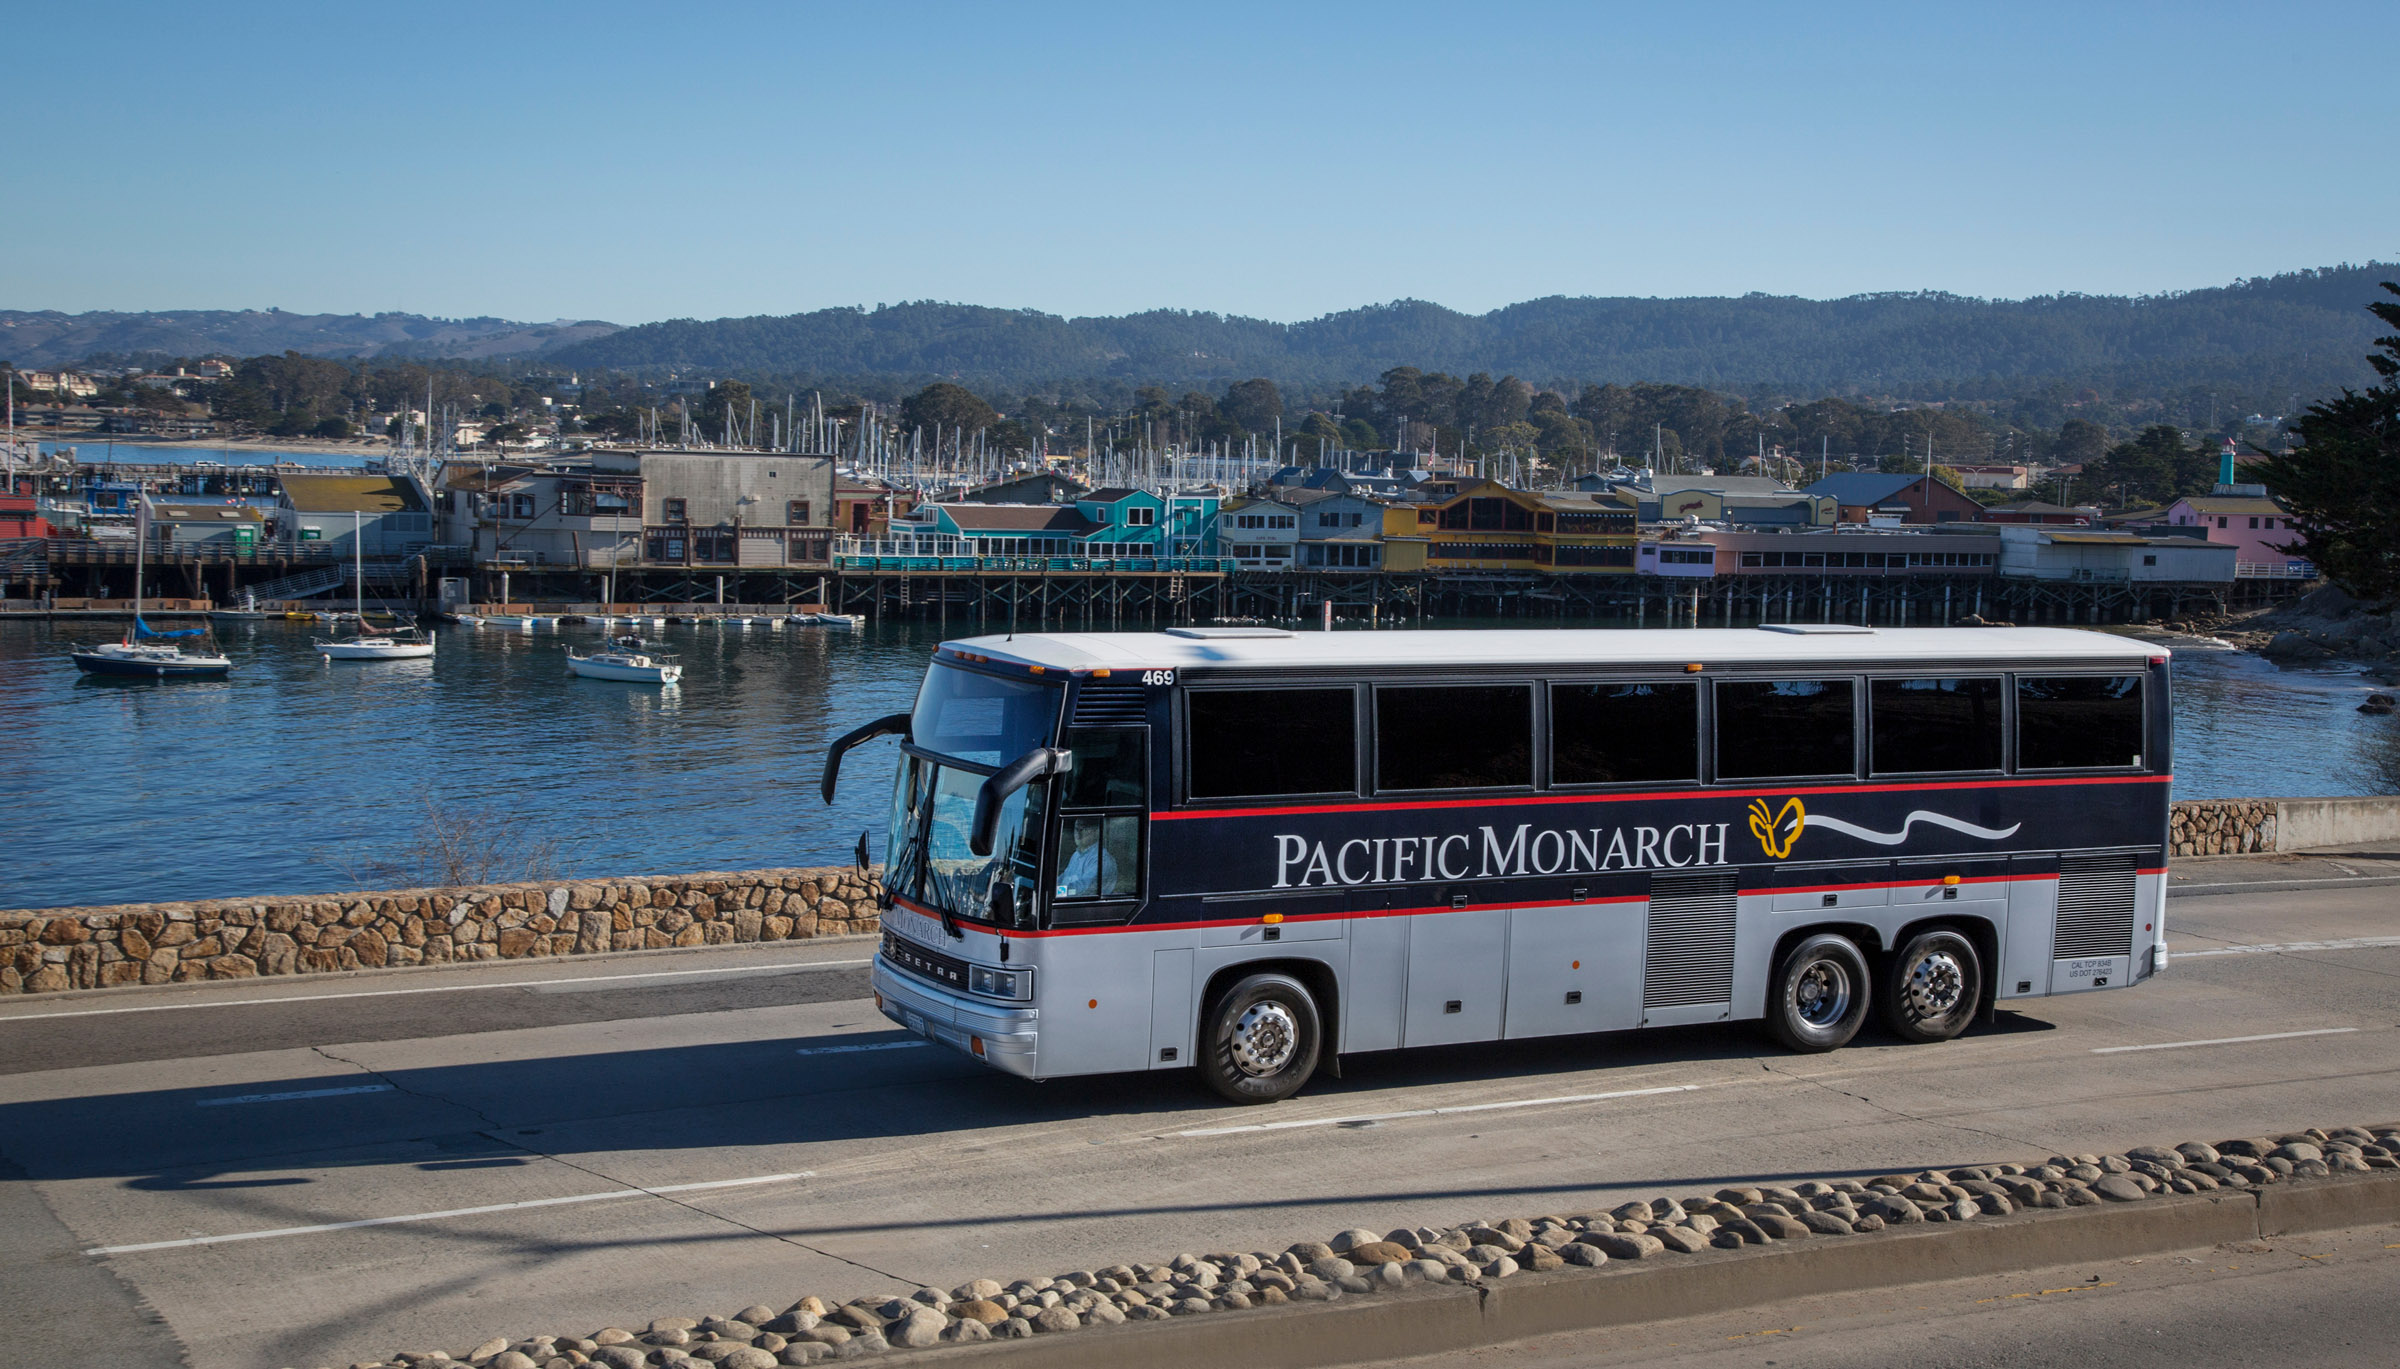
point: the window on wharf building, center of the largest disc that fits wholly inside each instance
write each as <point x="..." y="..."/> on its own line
<point x="1454" y="737"/>
<point x="1923" y="726"/>
<point x="1258" y="743"/>
<point x="2073" y="722"/>
<point x="1771" y="729"/>
<point x="1642" y="732"/>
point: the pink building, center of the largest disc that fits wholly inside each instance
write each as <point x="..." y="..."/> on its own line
<point x="2250" y="524"/>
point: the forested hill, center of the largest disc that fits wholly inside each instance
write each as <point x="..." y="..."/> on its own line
<point x="2300" y="332"/>
<point x="48" y="338"/>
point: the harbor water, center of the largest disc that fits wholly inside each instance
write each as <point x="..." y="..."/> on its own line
<point x="300" y="776"/>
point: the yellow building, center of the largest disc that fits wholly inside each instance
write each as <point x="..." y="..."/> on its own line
<point x="1488" y="526"/>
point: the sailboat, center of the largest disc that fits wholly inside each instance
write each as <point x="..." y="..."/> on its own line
<point x="147" y="652"/>
<point x="397" y="644"/>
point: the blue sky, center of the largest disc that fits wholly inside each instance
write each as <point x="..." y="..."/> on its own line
<point x="637" y="162"/>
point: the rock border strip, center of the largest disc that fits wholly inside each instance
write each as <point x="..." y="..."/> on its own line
<point x="1418" y="1290"/>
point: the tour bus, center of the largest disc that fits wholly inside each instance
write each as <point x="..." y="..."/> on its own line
<point x="1249" y="850"/>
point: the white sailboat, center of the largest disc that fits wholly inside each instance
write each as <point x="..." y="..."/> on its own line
<point x="397" y="644"/>
<point x="629" y="659"/>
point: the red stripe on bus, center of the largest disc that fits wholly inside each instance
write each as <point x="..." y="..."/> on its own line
<point x="1647" y="795"/>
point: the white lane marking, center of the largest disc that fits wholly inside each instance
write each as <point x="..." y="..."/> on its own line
<point x="2221" y="1041"/>
<point x="451" y="1212"/>
<point x="1442" y="1112"/>
<point x="869" y="1046"/>
<point x="447" y="988"/>
<point x="2349" y="943"/>
<point x="287" y="1097"/>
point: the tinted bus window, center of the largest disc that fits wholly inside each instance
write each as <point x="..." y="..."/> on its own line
<point x="1252" y="743"/>
<point x="983" y="718"/>
<point x="1770" y="729"/>
<point x="1624" y="733"/>
<point x="2071" y="722"/>
<point x="1454" y="737"/>
<point x="1109" y="770"/>
<point x="1921" y="726"/>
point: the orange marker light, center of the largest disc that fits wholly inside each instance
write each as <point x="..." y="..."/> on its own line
<point x="1099" y="674"/>
<point x="1093" y="1004"/>
<point x="1692" y="669"/>
<point x="1272" y="918"/>
<point x="1575" y="965"/>
<point x="1949" y="879"/>
<point x="975" y="1044"/>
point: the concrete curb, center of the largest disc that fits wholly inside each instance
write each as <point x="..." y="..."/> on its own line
<point x="2281" y="886"/>
<point x="1623" y="1293"/>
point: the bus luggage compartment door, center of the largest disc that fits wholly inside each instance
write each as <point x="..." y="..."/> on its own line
<point x="1457" y="973"/>
<point x="1574" y="968"/>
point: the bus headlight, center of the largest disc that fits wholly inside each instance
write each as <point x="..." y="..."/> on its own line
<point x="994" y="983"/>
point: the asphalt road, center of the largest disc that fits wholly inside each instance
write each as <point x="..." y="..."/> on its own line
<point x="427" y="1159"/>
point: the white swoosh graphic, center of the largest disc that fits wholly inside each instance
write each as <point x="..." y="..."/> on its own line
<point x="1895" y="838"/>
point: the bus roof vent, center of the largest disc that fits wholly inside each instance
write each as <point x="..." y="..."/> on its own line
<point x="1818" y="629"/>
<point x="1207" y="634"/>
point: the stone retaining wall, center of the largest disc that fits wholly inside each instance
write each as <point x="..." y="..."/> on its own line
<point x="2222" y="827"/>
<point x="47" y="950"/>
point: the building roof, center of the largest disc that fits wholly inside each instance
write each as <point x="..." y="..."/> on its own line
<point x="2101" y="539"/>
<point x="1718" y="484"/>
<point x="1111" y="495"/>
<point x="2231" y="504"/>
<point x="347" y="493"/>
<point x="1261" y="648"/>
<point x="1018" y="518"/>
<point x="1862" y="487"/>
<point x="2037" y="506"/>
<point x="207" y="513"/>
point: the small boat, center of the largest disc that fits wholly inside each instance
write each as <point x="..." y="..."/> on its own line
<point x="629" y="659"/>
<point x="848" y="621"/>
<point x="365" y="644"/>
<point x="150" y="660"/>
<point x="249" y="612"/>
<point x="396" y="644"/>
<point x="146" y="652"/>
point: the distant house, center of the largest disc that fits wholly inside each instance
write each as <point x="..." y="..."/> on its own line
<point x="702" y="507"/>
<point x="1488" y="526"/>
<point x="1990" y="477"/>
<point x="179" y="523"/>
<point x="2249" y="523"/>
<point x="1867" y="497"/>
<point x="391" y="513"/>
<point x="1261" y="534"/>
<point x="2085" y="554"/>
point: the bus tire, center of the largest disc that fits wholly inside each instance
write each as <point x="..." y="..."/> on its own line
<point x="1259" y="1043"/>
<point x="1819" y="996"/>
<point x="1931" y="987"/>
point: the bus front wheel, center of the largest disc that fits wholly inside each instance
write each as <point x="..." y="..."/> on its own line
<point x="1931" y="987"/>
<point x="1261" y="1041"/>
<point x="1819" y="997"/>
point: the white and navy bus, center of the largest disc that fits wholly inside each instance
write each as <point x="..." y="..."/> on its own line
<point x="1248" y="850"/>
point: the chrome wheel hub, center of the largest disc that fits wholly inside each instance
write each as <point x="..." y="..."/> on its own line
<point x="1822" y="993"/>
<point x="1935" y="984"/>
<point x="1266" y="1038"/>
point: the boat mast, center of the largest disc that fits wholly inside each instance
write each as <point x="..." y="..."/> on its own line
<point x="358" y="569"/>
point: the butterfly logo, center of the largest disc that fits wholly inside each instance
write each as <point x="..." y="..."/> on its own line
<point x="1776" y="832"/>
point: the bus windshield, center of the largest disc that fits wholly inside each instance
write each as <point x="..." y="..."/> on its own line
<point x="985" y="721"/>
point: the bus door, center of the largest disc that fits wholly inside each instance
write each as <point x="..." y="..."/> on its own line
<point x="1099" y="986"/>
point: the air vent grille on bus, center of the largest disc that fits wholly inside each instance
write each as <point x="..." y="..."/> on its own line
<point x="1690" y="960"/>
<point x="2096" y="897"/>
<point x="1099" y="705"/>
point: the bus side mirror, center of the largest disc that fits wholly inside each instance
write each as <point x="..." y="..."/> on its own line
<point x="1024" y="770"/>
<point x="1002" y="908"/>
<point x="895" y="725"/>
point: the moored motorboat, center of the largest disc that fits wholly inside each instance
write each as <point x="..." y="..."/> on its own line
<point x="850" y="621"/>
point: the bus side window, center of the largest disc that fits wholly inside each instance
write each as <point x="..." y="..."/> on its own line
<point x="1919" y="727"/>
<point x="1784" y="729"/>
<point x="1453" y="737"/>
<point x="1643" y="732"/>
<point x="1271" y="743"/>
<point x="2079" y="722"/>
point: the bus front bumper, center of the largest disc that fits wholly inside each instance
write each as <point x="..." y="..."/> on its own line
<point x="1004" y="1038"/>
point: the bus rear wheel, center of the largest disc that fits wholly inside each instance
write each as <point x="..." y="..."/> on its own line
<point x="1931" y="987"/>
<point x="1819" y="997"/>
<point x="1260" y="1042"/>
